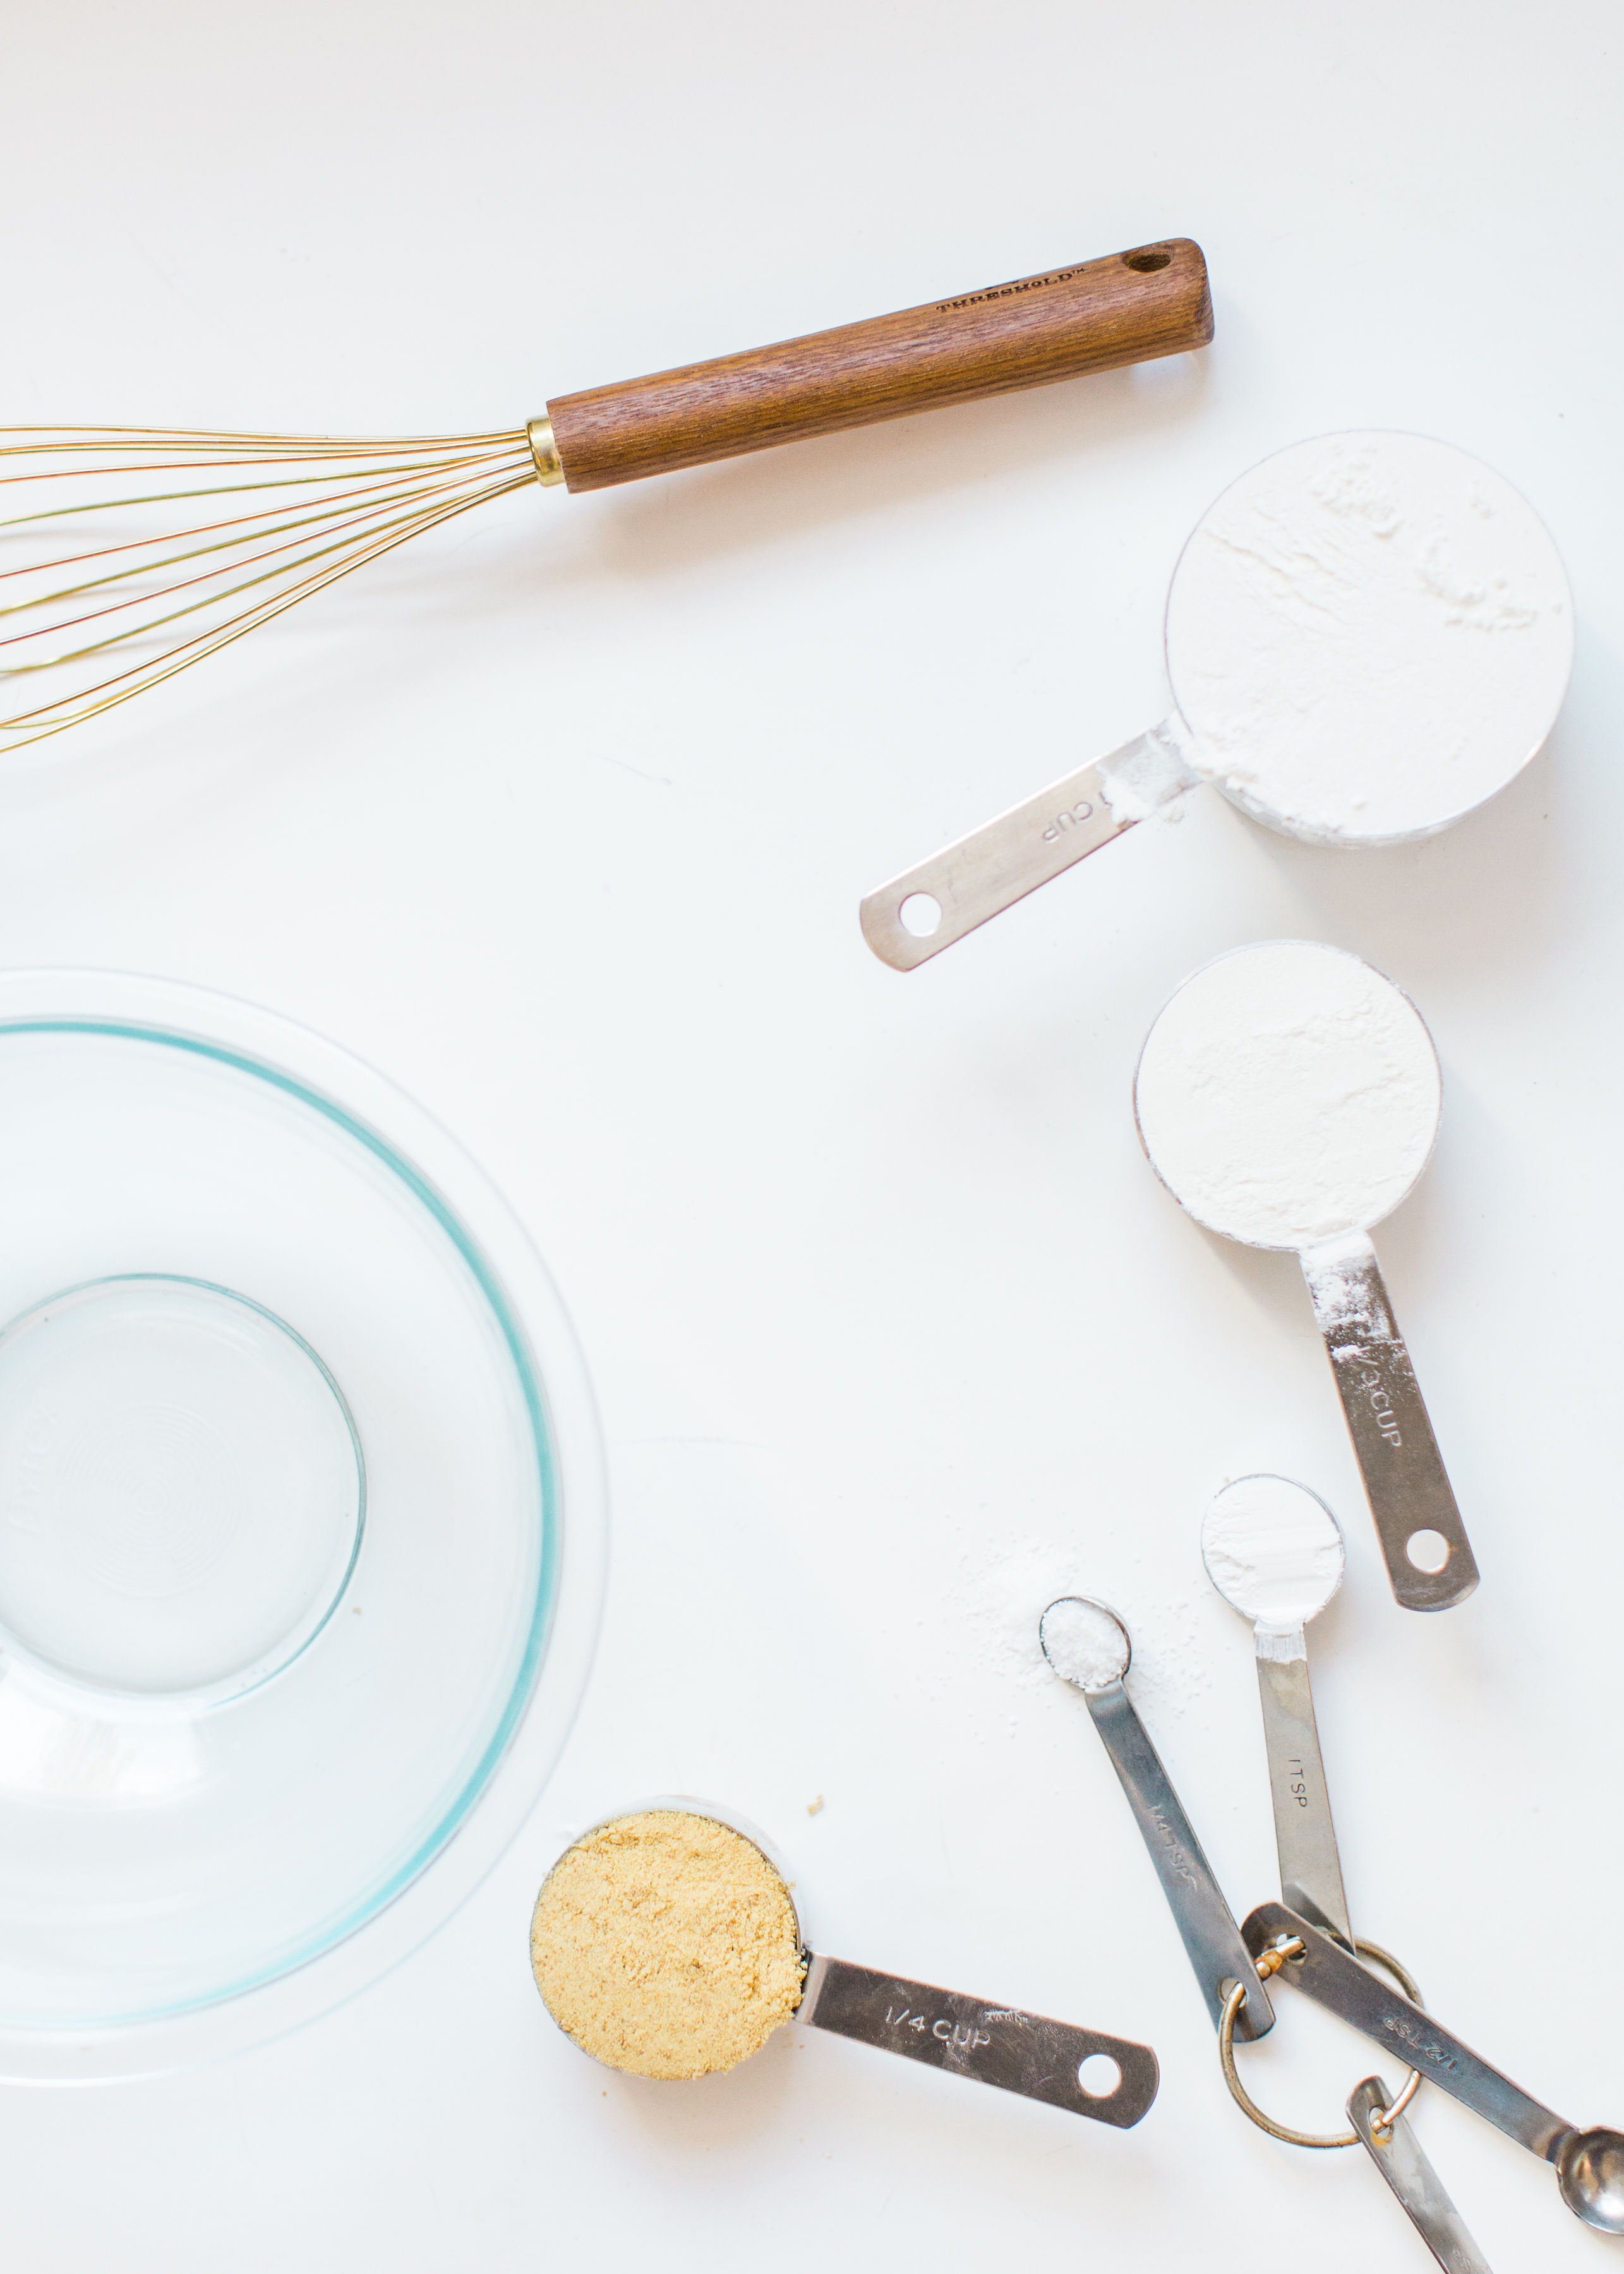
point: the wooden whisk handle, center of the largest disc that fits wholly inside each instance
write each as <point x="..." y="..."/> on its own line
<point x="1126" y="308"/>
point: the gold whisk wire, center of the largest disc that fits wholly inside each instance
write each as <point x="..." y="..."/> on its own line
<point x="337" y="504"/>
<point x="176" y="557"/>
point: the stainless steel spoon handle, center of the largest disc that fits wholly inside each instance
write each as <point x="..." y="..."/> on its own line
<point x="1311" y="1872"/>
<point x="1392" y="1441"/>
<point x="995" y="2045"/>
<point x="1332" y="1979"/>
<point x="1203" y="1918"/>
<point x="1399" y="2157"/>
<point x="996" y="865"/>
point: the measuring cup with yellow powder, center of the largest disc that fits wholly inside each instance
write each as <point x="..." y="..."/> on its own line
<point x="667" y="1943"/>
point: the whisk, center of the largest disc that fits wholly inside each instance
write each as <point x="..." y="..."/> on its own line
<point x="128" y="553"/>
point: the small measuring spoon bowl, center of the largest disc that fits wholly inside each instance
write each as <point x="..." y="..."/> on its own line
<point x="1590" y="2165"/>
<point x="1275" y="1553"/>
<point x="1590" y="2171"/>
<point x="1367" y="635"/>
<point x="1287" y="1096"/>
<point x="1088" y="1645"/>
<point x="616" y="1997"/>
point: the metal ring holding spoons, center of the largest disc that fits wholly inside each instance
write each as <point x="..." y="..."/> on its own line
<point x="1382" y="2120"/>
<point x="1588" y="2164"/>
<point x="1367" y="635"/>
<point x="1288" y="1095"/>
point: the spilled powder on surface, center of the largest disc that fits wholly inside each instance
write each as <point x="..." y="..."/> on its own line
<point x="1368" y="635"/>
<point x="1000" y="1586"/>
<point x="1271" y="1549"/>
<point x="1287" y="1093"/>
<point x="666" y="1945"/>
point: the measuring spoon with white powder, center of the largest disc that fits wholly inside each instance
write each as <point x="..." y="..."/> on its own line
<point x="1367" y="635"/>
<point x="1273" y="1551"/>
<point x="1087" y="1645"/>
<point x="1288" y="1098"/>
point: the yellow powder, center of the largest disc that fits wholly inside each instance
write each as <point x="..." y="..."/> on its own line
<point x="666" y="1944"/>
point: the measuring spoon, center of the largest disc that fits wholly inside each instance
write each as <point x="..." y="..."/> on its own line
<point x="1273" y="1551"/>
<point x="1087" y="1645"/>
<point x="1287" y="1096"/>
<point x="1590" y="2165"/>
<point x="1402" y="2162"/>
<point x="1367" y="635"/>
<point x="1111" y="2079"/>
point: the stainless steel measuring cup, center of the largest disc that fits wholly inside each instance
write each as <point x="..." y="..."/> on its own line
<point x="1113" y="2079"/>
<point x="1367" y="635"/>
<point x="1273" y="1134"/>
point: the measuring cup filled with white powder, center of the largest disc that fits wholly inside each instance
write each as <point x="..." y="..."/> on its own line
<point x="665" y="1942"/>
<point x="1287" y="1096"/>
<point x="1367" y="635"/>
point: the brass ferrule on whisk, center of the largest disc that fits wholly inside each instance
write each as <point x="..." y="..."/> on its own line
<point x="544" y="449"/>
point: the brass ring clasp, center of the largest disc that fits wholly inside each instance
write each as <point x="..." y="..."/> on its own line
<point x="1270" y="1962"/>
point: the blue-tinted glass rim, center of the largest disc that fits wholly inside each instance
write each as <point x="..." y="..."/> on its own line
<point x="490" y="1285"/>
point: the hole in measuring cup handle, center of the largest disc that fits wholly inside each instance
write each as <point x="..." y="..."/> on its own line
<point x="1428" y="1550"/>
<point x="1099" y="2076"/>
<point x="920" y="915"/>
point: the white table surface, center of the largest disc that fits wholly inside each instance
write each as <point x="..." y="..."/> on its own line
<point x="562" y="820"/>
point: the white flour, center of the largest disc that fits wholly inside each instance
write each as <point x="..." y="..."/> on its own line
<point x="1271" y="1549"/>
<point x="1147" y="776"/>
<point x="1287" y="1093"/>
<point x="1367" y="635"/>
<point x="1083" y="1643"/>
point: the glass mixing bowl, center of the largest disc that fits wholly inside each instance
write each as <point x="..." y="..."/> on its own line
<point x="302" y="1525"/>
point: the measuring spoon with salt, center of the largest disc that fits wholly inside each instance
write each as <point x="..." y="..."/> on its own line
<point x="1287" y="1096"/>
<point x="1367" y="635"/>
<point x="1087" y="1645"/>
<point x="1273" y="1551"/>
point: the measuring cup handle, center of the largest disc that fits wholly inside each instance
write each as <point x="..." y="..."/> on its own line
<point x="1403" y="2164"/>
<point x="995" y="2045"/>
<point x="996" y="865"/>
<point x="1405" y="1482"/>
